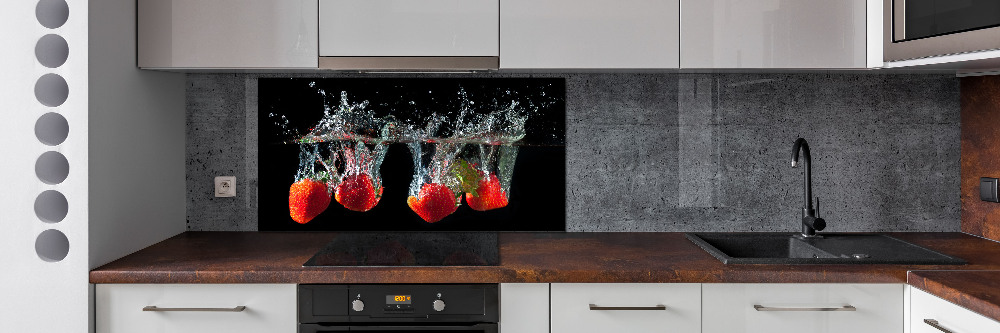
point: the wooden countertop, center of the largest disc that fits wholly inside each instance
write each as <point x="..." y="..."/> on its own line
<point x="978" y="291"/>
<point x="261" y="257"/>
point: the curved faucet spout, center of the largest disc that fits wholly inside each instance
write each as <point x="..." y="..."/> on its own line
<point x="810" y="222"/>
<point x="803" y="146"/>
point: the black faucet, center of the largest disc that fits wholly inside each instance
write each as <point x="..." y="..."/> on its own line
<point x="810" y="222"/>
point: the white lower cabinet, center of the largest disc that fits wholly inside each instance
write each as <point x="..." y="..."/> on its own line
<point x="930" y="314"/>
<point x="626" y="307"/>
<point x="524" y="308"/>
<point x="802" y="308"/>
<point x="570" y="307"/>
<point x="196" y="308"/>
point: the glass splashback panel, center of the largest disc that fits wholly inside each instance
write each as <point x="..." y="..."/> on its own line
<point x="411" y="154"/>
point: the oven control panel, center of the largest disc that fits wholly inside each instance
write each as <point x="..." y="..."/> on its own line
<point x="399" y="303"/>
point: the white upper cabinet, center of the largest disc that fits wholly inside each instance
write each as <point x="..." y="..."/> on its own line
<point x="522" y="34"/>
<point x="778" y="33"/>
<point x="589" y="34"/>
<point x="227" y="34"/>
<point x="409" y="28"/>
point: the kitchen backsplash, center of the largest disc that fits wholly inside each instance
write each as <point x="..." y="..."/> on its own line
<point x="679" y="152"/>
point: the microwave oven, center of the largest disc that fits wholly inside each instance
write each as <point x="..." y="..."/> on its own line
<point x="915" y="29"/>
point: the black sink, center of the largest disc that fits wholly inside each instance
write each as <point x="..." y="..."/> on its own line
<point x="787" y="248"/>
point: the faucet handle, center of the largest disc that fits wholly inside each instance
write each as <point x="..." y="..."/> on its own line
<point x="817" y="206"/>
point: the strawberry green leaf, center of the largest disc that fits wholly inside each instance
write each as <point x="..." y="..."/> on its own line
<point x="322" y="177"/>
<point x="467" y="176"/>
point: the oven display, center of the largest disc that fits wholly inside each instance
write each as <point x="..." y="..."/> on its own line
<point x="397" y="299"/>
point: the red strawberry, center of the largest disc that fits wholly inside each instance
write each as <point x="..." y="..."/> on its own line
<point x="491" y="195"/>
<point x="436" y="201"/>
<point x="357" y="192"/>
<point x="307" y="198"/>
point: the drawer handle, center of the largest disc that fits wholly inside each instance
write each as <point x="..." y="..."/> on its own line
<point x="630" y="308"/>
<point x="759" y="307"/>
<point x="234" y="309"/>
<point x="935" y="324"/>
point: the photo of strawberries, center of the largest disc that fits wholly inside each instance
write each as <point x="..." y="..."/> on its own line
<point x="489" y="195"/>
<point x="361" y="154"/>
<point x="434" y="202"/>
<point x="357" y="192"/>
<point x="307" y="198"/>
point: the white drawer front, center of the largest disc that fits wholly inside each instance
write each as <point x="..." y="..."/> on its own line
<point x="571" y="311"/>
<point x="366" y="28"/>
<point x="951" y="317"/>
<point x="269" y="308"/>
<point x="729" y="308"/>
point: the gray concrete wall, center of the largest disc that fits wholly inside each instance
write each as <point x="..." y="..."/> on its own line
<point x="681" y="152"/>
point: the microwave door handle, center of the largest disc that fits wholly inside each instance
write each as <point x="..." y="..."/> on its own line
<point x="898" y="19"/>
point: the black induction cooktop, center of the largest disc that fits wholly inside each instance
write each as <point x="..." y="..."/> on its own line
<point x="409" y="249"/>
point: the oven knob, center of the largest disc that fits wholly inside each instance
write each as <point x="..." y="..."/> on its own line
<point x="438" y="305"/>
<point x="358" y="305"/>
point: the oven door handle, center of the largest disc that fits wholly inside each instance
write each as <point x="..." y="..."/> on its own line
<point x="485" y="328"/>
<point x="412" y="327"/>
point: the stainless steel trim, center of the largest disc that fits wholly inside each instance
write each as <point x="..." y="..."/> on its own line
<point x="935" y="324"/>
<point x="759" y="307"/>
<point x="898" y="20"/>
<point x="410" y="63"/>
<point x="629" y="308"/>
<point x="963" y="42"/>
<point x="158" y="309"/>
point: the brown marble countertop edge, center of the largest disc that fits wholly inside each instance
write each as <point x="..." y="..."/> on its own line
<point x="292" y="277"/>
<point x="260" y="257"/>
<point x="978" y="291"/>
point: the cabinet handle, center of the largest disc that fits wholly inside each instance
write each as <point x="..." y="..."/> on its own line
<point x="759" y="307"/>
<point x="935" y="324"/>
<point x="234" y="309"/>
<point x="615" y="308"/>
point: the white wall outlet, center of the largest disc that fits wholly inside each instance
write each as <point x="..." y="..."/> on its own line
<point x="225" y="186"/>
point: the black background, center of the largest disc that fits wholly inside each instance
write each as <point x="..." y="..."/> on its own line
<point x="538" y="187"/>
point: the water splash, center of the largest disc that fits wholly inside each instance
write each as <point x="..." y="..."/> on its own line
<point x="354" y="142"/>
<point x="361" y="158"/>
<point x="308" y="157"/>
<point x="281" y="121"/>
<point x="349" y="122"/>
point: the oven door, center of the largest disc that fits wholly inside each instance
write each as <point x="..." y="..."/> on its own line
<point x="927" y="28"/>
<point x="473" y="328"/>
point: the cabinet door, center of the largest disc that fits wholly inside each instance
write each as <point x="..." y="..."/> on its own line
<point x="944" y="314"/>
<point x="409" y="28"/>
<point x="773" y="34"/>
<point x="524" y="308"/>
<point x="802" y="308"/>
<point x="626" y="307"/>
<point x="227" y="34"/>
<point x="268" y="308"/>
<point x="589" y="34"/>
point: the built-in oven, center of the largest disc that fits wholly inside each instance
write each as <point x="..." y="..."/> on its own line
<point x="927" y="28"/>
<point x="466" y="308"/>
